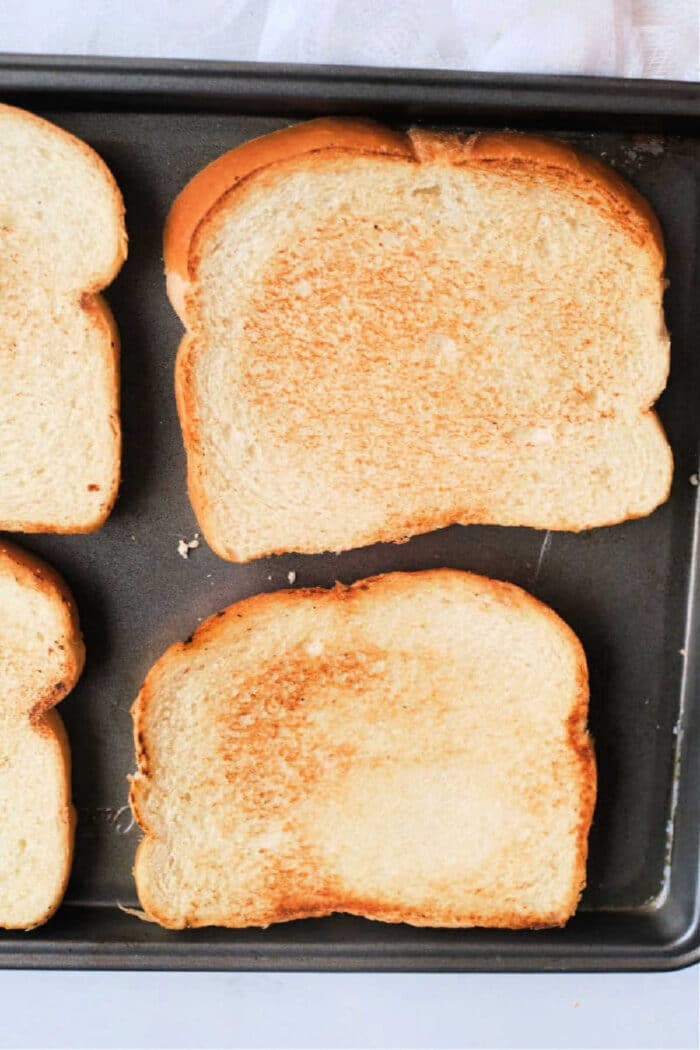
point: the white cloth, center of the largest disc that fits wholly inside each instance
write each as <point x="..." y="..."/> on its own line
<point x="635" y="38"/>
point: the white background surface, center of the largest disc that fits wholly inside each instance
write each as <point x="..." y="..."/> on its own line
<point x="627" y="37"/>
<point x="349" y="1010"/>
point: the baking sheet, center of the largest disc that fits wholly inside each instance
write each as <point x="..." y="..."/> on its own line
<point x="629" y="591"/>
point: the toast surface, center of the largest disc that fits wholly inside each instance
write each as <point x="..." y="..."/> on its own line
<point x="62" y="239"/>
<point x="391" y="333"/>
<point x="412" y="748"/>
<point x="41" y="657"/>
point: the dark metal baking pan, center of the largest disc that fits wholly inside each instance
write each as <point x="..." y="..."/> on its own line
<point x="630" y="592"/>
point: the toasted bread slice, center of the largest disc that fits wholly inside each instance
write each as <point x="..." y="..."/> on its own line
<point x="62" y="239"/>
<point x="390" y="333"/>
<point x="41" y="657"/>
<point x="412" y="748"/>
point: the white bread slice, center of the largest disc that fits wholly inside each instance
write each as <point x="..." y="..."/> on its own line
<point x="41" y="657"/>
<point x="62" y="239"/>
<point x="390" y="333"/>
<point x="412" y="748"/>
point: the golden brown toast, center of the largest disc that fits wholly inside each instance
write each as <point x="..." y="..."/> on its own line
<point x="388" y="333"/>
<point x="412" y="748"/>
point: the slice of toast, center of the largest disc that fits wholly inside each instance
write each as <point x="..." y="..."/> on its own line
<point x="391" y="333"/>
<point x="41" y="657"/>
<point x="412" y="748"/>
<point x="62" y="239"/>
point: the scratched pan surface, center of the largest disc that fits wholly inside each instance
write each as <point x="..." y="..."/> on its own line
<point x="629" y="591"/>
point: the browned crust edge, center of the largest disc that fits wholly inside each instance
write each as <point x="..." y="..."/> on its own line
<point x="203" y="192"/>
<point x="92" y="303"/>
<point x="515" y="149"/>
<point x="579" y="739"/>
<point x="195" y="207"/>
<point x="35" y="574"/>
<point x="415" y="526"/>
<point x="199" y="203"/>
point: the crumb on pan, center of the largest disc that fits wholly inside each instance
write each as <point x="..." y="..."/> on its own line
<point x="185" y="546"/>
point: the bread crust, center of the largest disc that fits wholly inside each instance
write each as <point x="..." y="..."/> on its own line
<point x="414" y="527"/>
<point x="93" y="304"/>
<point x="35" y="574"/>
<point x="205" y="190"/>
<point x="201" y="201"/>
<point x="580" y="742"/>
<point x="511" y="149"/>
<point x="95" y="161"/>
